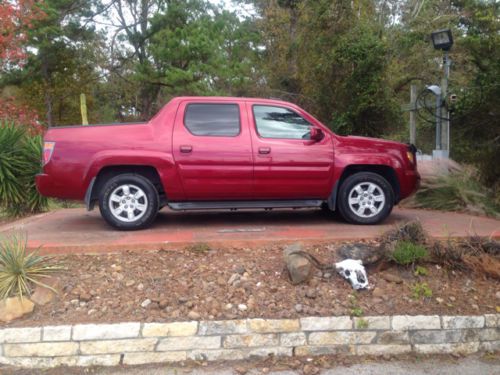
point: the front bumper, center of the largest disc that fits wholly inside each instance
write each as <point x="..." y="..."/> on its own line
<point x="411" y="183"/>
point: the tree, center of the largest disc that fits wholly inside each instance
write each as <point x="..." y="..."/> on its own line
<point x="16" y="18"/>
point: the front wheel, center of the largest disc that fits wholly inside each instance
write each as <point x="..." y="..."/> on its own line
<point x="365" y="198"/>
<point x="128" y="202"/>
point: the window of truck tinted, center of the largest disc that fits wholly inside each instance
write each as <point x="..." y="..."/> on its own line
<point x="280" y="122"/>
<point x="213" y="120"/>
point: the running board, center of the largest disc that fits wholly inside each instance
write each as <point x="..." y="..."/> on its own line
<point x="238" y="205"/>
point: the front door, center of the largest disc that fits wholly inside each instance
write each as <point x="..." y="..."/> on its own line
<point x="287" y="163"/>
<point x="212" y="150"/>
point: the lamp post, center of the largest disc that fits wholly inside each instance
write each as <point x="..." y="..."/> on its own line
<point x="443" y="40"/>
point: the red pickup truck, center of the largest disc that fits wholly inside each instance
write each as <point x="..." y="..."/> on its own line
<point x="203" y="153"/>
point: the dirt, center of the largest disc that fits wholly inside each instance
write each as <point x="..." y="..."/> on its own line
<point x="204" y="283"/>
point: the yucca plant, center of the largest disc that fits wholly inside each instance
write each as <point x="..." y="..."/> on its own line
<point x="20" y="271"/>
<point x="20" y="155"/>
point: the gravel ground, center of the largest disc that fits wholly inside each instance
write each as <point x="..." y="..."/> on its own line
<point x="202" y="283"/>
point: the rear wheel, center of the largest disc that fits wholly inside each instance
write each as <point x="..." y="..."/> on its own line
<point x="128" y="201"/>
<point x="365" y="198"/>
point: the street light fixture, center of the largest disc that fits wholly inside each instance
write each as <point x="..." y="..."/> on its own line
<point x="442" y="39"/>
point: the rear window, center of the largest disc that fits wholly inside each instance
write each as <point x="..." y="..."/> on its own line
<point x="216" y="120"/>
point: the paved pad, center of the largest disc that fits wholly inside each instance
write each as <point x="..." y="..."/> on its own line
<point x="78" y="231"/>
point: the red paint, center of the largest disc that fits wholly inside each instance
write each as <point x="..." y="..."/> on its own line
<point x="191" y="167"/>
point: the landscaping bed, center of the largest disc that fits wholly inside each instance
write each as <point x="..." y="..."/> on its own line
<point x="199" y="283"/>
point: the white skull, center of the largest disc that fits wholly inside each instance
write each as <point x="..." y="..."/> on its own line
<point x="353" y="270"/>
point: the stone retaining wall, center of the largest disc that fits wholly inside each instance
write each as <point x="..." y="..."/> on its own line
<point x="140" y="343"/>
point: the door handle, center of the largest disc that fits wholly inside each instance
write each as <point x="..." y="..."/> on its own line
<point x="186" y="149"/>
<point x="264" y="150"/>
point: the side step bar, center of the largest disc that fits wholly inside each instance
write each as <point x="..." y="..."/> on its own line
<point x="238" y="205"/>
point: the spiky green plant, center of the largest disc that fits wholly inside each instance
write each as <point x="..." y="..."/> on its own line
<point x="20" y="271"/>
<point x="20" y="155"/>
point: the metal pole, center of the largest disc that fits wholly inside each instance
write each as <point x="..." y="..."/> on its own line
<point x="445" y="131"/>
<point x="438" y="122"/>
<point x="413" y="105"/>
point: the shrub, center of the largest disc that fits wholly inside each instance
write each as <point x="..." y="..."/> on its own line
<point x="421" y="290"/>
<point x="407" y="253"/>
<point x="19" y="270"/>
<point x="20" y="155"/>
<point x="459" y="189"/>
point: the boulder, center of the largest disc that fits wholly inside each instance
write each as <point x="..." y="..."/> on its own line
<point x="14" y="308"/>
<point x="299" y="267"/>
<point x="43" y="295"/>
<point x="360" y="251"/>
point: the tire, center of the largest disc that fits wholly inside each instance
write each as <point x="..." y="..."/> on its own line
<point x="374" y="196"/>
<point x="132" y="211"/>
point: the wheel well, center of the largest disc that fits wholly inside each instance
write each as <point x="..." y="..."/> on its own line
<point x="143" y="170"/>
<point x="383" y="170"/>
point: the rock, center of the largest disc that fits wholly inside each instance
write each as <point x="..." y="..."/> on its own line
<point x="15" y="307"/>
<point x="43" y="295"/>
<point x="163" y="303"/>
<point x="74" y="302"/>
<point x="310" y="369"/>
<point x="497" y="294"/>
<point x="193" y="315"/>
<point x="378" y="292"/>
<point x="366" y="253"/>
<point x="242" y="307"/>
<point x="298" y="308"/>
<point x="391" y="277"/>
<point x="439" y="300"/>
<point x="146" y="303"/>
<point x="299" y="267"/>
<point x="91" y="311"/>
<point x="228" y="306"/>
<point x="311" y="293"/>
<point x="84" y="296"/>
<point x="452" y="299"/>
<point x="129" y="283"/>
<point x="240" y="270"/>
<point x="234" y="277"/>
<point x="140" y="287"/>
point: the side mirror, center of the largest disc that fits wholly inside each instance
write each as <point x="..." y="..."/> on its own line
<point x="317" y="134"/>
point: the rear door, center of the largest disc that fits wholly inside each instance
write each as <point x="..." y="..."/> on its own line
<point x="287" y="163"/>
<point x="212" y="150"/>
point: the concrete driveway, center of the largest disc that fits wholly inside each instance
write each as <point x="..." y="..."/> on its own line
<point x="76" y="230"/>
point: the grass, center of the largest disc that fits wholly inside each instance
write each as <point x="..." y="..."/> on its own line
<point x="407" y="253"/>
<point x="421" y="290"/>
<point x="421" y="271"/>
<point x="20" y="271"/>
<point x="458" y="190"/>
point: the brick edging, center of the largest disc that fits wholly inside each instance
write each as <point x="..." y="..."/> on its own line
<point x="140" y="343"/>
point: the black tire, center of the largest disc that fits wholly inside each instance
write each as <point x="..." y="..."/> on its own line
<point x="365" y="179"/>
<point x="149" y="200"/>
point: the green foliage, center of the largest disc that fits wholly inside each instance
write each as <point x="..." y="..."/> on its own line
<point x="421" y="271"/>
<point x="356" y="310"/>
<point x="198" y="248"/>
<point x="20" y="271"/>
<point x="20" y="156"/>
<point x="362" y="324"/>
<point x="459" y="190"/>
<point x="421" y="290"/>
<point x="407" y="253"/>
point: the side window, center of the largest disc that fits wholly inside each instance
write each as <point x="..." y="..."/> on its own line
<point x="279" y="122"/>
<point x="216" y="120"/>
